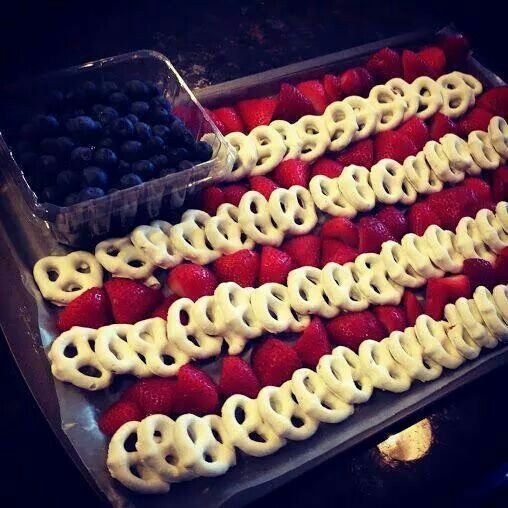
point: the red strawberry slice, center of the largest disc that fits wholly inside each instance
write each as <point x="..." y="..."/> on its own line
<point x="234" y="192"/>
<point x="131" y="301"/>
<point x="441" y="125"/>
<point x="274" y="362"/>
<point x="315" y="92"/>
<point x="482" y="191"/>
<point x="480" y="273"/>
<point x="356" y="81"/>
<point x="455" y="46"/>
<point x="395" y="220"/>
<point x="501" y="266"/>
<point x="353" y="328"/>
<point x="341" y="228"/>
<point x="337" y="252"/>
<point x="412" y="307"/>
<point x="416" y="130"/>
<point x="413" y="66"/>
<point x="495" y="100"/>
<point x="360" y="153"/>
<point x="263" y="185"/>
<point x="217" y="121"/>
<point x="237" y="376"/>
<point x="331" y="84"/>
<point x="435" y="58"/>
<point x="191" y="281"/>
<point x="475" y="120"/>
<point x="313" y="343"/>
<point x="304" y="250"/>
<point x="91" y="309"/>
<point x="292" y="172"/>
<point x="500" y="184"/>
<point x="421" y="216"/>
<point x="393" y="145"/>
<point x="445" y="290"/>
<point x="326" y="167"/>
<point x="292" y="104"/>
<point x="384" y="65"/>
<point x="153" y="395"/>
<point x="256" y="112"/>
<point x="162" y="309"/>
<point x="211" y="198"/>
<point x="452" y="204"/>
<point x="392" y="317"/>
<point x="117" y="414"/>
<point x="241" y="267"/>
<point x="230" y="119"/>
<point x="372" y="234"/>
<point x="274" y="265"/>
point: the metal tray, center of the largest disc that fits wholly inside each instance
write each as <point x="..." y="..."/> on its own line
<point x="27" y="324"/>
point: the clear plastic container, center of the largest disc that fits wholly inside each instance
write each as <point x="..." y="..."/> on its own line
<point x="85" y="223"/>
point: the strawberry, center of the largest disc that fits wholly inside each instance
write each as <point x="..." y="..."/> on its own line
<point x="241" y="267"/>
<point x="196" y="392"/>
<point x="341" y="228"/>
<point x="435" y="58"/>
<point x="412" y="307"/>
<point x="360" y="153"/>
<point x="191" y="281"/>
<point x="292" y="104"/>
<point x="482" y="191"/>
<point x="274" y="362"/>
<point x="90" y="309"/>
<point x="413" y="66"/>
<point x="475" y="120"/>
<point x="384" y="65"/>
<point x="480" y="273"/>
<point x="331" y="84"/>
<point x="131" y="301"/>
<point x="352" y="328"/>
<point x="441" y="125"/>
<point x="455" y="47"/>
<point x="233" y="193"/>
<point x="395" y="220"/>
<point x="263" y="185"/>
<point x="452" y="204"/>
<point x="230" y="119"/>
<point x="117" y="414"/>
<point x="372" y="233"/>
<point x="416" y="130"/>
<point x="356" y="81"/>
<point x="162" y="309"/>
<point x="337" y="252"/>
<point x="392" y="317"/>
<point x="153" y="395"/>
<point x="421" y="216"/>
<point x="256" y="112"/>
<point x="445" y="290"/>
<point x="292" y="172"/>
<point x="315" y="92"/>
<point x="500" y="184"/>
<point x="211" y="198"/>
<point x="304" y="250"/>
<point x="313" y="343"/>
<point x="216" y="120"/>
<point x="237" y="376"/>
<point x="393" y="145"/>
<point x="327" y="167"/>
<point x="495" y="100"/>
<point x="501" y="266"/>
<point x="274" y="265"/>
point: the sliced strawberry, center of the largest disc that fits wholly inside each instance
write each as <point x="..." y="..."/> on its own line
<point x="412" y="307"/>
<point x="495" y="100"/>
<point x="372" y="234"/>
<point x="441" y="125"/>
<point x="384" y="65"/>
<point x="416" y="130"/>
<point x="337" y="252"/>
<point x="230" y="119"/>
<point x="500" y="184"/>
<point x="117" y="414"/>
<point x="237" y="376"/>
<point x="241" y="267"/>
<point x="341" y="228"/>
<point x="331" y="84"/>
<point x="395" y="220"/>
<point x="263" y="185"/>
<point x="292" y="104"/>
<point x="393" y="145"/>
<point x="445" y="290"/>
<point x="292" y="172"/>
<point x="211" y="198"/>
<point x="455" y="46"/>
<point x="315" y="92"/>
<point x="421" y="216"/>
<point x="482" y="191"/>
<point x="304" y="250"/>
<point x="452" y="204"/>
<point x="191" y="281"/>
<point x="435" y="58"/>
<point x="480" y="273"/>
<point x="356" y="81"/>
<point x="234" y="192"/>
<point x="326" y="167"/>
<point x="256" y="112"/>
<point x="313" y="343"/>
<point x="162" y="309"/>
<point x="217" y="121"/>
<point x="360" y="153"/>
<point x="91" y="309"/>
<point x="413" y="66"/>
<point x="392" y="317"/>
<point x="501" y="266"/>
<point x="274" y="266"/>
<point x="475" y="120"/>
<point x="153" y="395"/>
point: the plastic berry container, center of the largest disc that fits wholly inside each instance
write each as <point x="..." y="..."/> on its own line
<point x="86" y="222"/>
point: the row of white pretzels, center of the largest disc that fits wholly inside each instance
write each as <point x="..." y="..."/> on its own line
<point x="196" y="330"/>
<point x="167" y="451"/>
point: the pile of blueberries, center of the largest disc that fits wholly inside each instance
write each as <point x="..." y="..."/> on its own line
<point x="102" y="137"/>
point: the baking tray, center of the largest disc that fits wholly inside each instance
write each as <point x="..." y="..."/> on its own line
<point x="71" y="413"/>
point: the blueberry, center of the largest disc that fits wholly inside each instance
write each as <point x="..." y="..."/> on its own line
<point x="142" y="131"/>
<point x="105" y="158"/>
<point x="166" y="172"/>
<point x="24" y="146"/>
<point x="159" y="161"/>
<point x="123" y="167"/>
<point x="68" y="180"/>
<point x="107" y="88"/>
<point x="50" y="194"/>
<point x="122" y="128"/>
<point x="83" y="127"/>
<point x="131" y="150"/>
<point x="154" y="145"/>
<point x="153" y="88"/>
<point x="185" y="164"/>
<point x="118" y="100"/>
<point x="202" y="151"/>
<point x="46" y="125"/>
<point x="158" y="114"/>
<point x="106" y="114"/>
<point x="136" y="89"/>
<point x="176" y="132"/>
<point x="145" y="169"/>
<point x="47" y="164"/>
<point x="106" y="143"/>
<point x="87" y="91"/>
<point x="27" y="160"/>
<point x="91" y="193"/>
<point x="55" y="101"/>
<point x="27" y="131"/>
<point x="161" y="102"/>
<point x="81" y="157"/>
<point x="49" y="146"/>
<point x="94" y="177"/>
<point x="132" y="118"/>
<point x="161" y="130"/>
<point x="65" y="146"/>
<point x="140" y="109"/>
<point x="130" y="180"/>
<point x="175" y="155"/>
<point x="71" y="199"/>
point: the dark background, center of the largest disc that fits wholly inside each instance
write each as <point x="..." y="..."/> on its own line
<point x="210" y="42"/>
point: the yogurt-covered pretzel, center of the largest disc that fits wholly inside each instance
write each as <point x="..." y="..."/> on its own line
<point x="270" y="148"/>
<point x="417" y="253"/>
<point x="457" y="93"/>
<point x="458" y="155"/>
<point x="61" y="279"/>
<point x="366" y="116"/>
<point x="341" y="124"/>
<point x="492" y="309"/>
<point x="292" y="140"/>
<point x="389" y="105"/>
<point x="437" y="158"/>
<point x="355" y="187"/>
<point x="246" y="155"/>
<point x="388" y="181"/>
<point x="482" y="151"/>
<point x="469" y="243"/>
<point x="398" y="267"/>
<point x="328" y="197"/>
<point x="491" y="229"/>
<point x="441" y="249"/>
<point x="429" y="95"/>
<point x="313" y="132"/>
<point x="408" y="93"/>
<point x="420" y="175"/>
<point x="498" y="135"/>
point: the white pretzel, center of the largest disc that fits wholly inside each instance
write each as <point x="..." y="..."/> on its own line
<point x="416" y="250"/>
<point x="73" y="274"/>
<point x="246" y="155"/>
<point x="420" y="175"/>
<point x="386" y="179"/>
<point x="492" y="316"/>
<point x="430" y="97"/>
<point x="491" y="230"/>
<point x="122" y="259"/>
<point x="154" y="241"/>
<point x="458" y="154"/>
<point x="291" y="139"/>
<point x="437" y="159"/>
<point x="441" y="249"/>
<point x="354" y="185"/>
<point x="498" y="134"/>
<point x="473" y="83"/>
<point x="208" y="316"/>
<point x="459" y="336"/>
<point x="483" y="153"/>
<point x="341" y="124"/>
<point x="270" y="148"/>
<point x="389" y="105"/>
<point x="502" y="214"/>
<point x="469" y="242"/>
<point x="366" y="116"/>
<point x="313" y="132"/>
<point x="398" y="267"/>
<point x="407" y="92"/>
<point x="500" y="296"/>
<point x="73" y="359"/>
<point x="328" y="197"/>
<point x="457" y="95"/>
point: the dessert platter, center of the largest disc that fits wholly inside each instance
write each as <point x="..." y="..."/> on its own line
<point x="214" y="295"/>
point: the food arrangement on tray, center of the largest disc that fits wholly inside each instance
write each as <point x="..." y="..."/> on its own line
<point x="357" y="240"/>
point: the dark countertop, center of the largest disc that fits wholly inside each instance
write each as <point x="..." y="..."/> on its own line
<point x="210" y="44"/>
